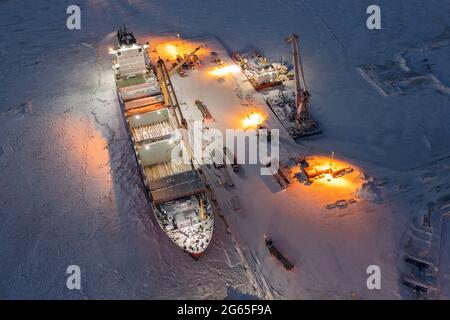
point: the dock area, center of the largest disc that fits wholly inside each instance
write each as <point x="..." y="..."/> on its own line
<point x="222" y="90"/>
<point x="231" y="101"/>
<point x="293" y="213"/>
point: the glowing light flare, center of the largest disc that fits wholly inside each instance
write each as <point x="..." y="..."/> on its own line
<point x="171" y="50"/>
<point x="323" y="167"/>
<point x="328" y="180"/>
<point x="221" y="71"/>
<point x="253" y="120"/>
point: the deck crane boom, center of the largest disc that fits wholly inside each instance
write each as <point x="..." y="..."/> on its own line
<point x="183" y="61"/>
<point x="306" y="125"/>
<point x="164" y="77"/>
<point x="170" y="98"/>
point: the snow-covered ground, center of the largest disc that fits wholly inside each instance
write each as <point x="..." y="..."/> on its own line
<point x="70" y="187"/>
<point x="70" y="192"/>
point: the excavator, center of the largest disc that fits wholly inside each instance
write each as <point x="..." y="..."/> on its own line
<point x="306" y="125"/>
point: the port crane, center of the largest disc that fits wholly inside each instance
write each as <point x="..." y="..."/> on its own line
<point x="183" y="61"/>
<point x="306" y="125"/>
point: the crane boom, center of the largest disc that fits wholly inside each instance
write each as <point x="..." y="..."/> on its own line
<point x="301" y="94"/>
<point x="182" y="62"/>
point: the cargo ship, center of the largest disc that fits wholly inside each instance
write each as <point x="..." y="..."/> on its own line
<point x="178" y="196"/>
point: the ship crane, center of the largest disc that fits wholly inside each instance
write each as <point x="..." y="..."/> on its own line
<point x="164" y="77"/>
<point x="306" y="125"/>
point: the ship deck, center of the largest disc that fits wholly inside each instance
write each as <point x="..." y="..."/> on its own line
<point x="152" y="131"/>
<point x="177" y="191"/>
<point x="148" y="127"/>
<point x="165" y="169"/>
<point x="138" y="87"/>
<point x="181" y="220"/>
<point x="180" y="213"/>
<point x="132" y="81"/>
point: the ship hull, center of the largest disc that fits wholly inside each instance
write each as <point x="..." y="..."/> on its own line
<point x="178" y="197"/>
<point x="193" y="239"/>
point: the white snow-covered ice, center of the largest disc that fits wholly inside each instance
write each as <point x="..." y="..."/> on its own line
<point x="70" y="191"/>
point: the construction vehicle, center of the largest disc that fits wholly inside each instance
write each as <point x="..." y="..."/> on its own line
<point x="282" y="179"/>
<point x="268" y="134"/>
<point x="277" y="254"/>
<point x="203" y="109"/>
<point x="217" y="158"/>
<point x="234" y="164"/>
<point x="305" y="124"/>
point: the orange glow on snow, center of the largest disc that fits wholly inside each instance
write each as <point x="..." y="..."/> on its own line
<point x="323" y="167"/>
<point x="325" y="188"/>
<point x="252" y="121"/>
<point x="329" y="181"/>
<point x="85" y="155"/>
<point x="171" y="51"/>
<point x="222" y="71"/>
<point x="169" y="48"/>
